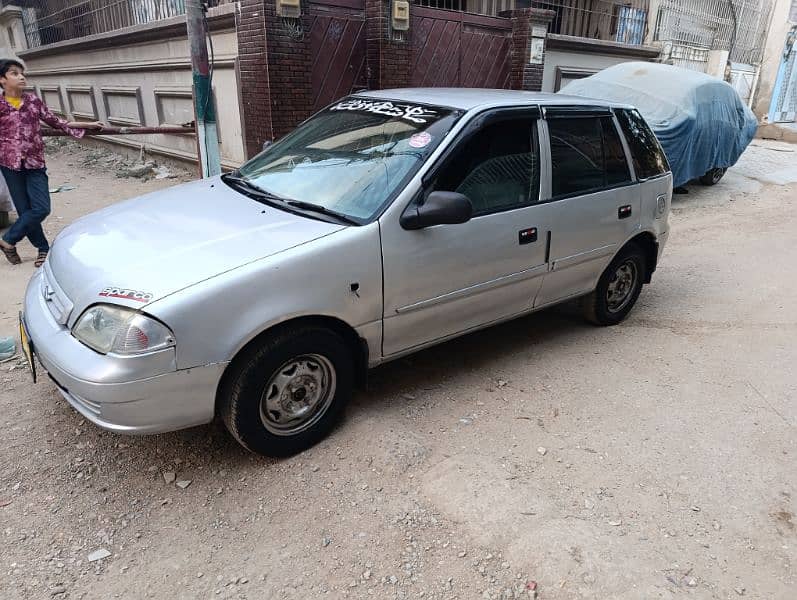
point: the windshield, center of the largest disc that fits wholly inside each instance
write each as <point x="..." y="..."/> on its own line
<point x="352" y="157"/>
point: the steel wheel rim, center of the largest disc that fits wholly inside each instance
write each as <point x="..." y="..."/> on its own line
<point x="297" y="394"/>
<point x="717" y="175"/>
<point x="621" y="286"/>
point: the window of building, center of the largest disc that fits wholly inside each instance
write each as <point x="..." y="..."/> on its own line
<point x="11" y="40"/>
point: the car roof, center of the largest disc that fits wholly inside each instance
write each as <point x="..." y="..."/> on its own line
<point x="469" y="98"/>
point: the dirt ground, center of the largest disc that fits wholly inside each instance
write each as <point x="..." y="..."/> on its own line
<point x="655" y="459"/>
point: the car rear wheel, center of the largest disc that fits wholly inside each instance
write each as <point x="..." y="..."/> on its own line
<point x="618" y="288"/>
<point x="712" y="176"/>
<point x="285" y="393"/>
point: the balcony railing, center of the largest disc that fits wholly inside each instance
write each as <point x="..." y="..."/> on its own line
<point x="51" y="21"/>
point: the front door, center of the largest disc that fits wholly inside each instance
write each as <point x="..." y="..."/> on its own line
<point x="599" y="205"/>
<point x="447" y="279"/>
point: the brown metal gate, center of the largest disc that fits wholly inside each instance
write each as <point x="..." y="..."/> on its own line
<point x="337" y="46"/>
<point x="455" y="49"/>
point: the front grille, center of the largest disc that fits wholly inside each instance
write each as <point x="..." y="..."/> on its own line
<point x="56" y="299"/>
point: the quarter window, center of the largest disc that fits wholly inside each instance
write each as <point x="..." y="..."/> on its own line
<point x="586" y="155"/>
<point x="498" y="168"/>
<point x="646" y="153"/>
<point x="614" y="154"/>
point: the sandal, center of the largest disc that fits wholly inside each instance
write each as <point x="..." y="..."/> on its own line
<point x="11" y="253"/>
<point x="40" y="258"/>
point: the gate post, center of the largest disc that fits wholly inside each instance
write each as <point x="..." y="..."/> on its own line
<point x="252" y="71"/>
<point x="274" y="71"/>
<point x="388" y="52"/>
<point x="527" y="54"/>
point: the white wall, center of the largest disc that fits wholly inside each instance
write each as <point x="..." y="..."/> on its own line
<point x="146" y="83"/>
<point x="578" y="61"/>
<point x="776" y="38"/>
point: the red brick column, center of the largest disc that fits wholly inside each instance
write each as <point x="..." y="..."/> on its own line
<point x="529" y="30"/>
<point x="388" y="52"/>
<point x="289" y="65"/>
<point x="274" y="71"/>
<point x="253" y="81"/>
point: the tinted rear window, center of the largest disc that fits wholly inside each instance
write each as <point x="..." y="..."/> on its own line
<point x="646" y="152"/>
<point x="586" y="155"/>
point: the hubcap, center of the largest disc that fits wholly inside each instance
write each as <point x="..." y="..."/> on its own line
<point x="297" y="394"/>
<point x="621" y="286"/>
<point x="717" y="175"/>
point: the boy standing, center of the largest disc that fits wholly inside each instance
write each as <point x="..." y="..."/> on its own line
<point x="22" y="159"/>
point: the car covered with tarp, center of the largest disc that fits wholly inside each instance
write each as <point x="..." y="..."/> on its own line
<point x="700" y="120"/>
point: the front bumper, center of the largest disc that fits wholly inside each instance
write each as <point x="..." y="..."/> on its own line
<point x="120" y="394"/>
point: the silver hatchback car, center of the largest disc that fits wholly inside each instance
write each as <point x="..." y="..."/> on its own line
<point x="387" y="222"/>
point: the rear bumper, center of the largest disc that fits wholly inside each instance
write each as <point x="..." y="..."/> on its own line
<point x="106" y="390"/>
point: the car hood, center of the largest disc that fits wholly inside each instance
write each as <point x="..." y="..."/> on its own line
<point x="138" y="251"/>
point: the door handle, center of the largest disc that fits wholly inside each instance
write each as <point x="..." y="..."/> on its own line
<point x="624" y="212"/>
<point x="527" y="236"/>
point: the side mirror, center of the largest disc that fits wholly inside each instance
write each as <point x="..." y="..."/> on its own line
<point x="440" y="208"/>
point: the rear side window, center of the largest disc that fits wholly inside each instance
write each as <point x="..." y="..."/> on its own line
<point x="646" y="153"/>
<point x="586" y="155"/>
<point x="614" y="154"/>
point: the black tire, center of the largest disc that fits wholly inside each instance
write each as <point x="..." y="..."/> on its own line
<point x="713" y="176"/>
<point x="243" y="398"/>
<point x="597" y="306"/>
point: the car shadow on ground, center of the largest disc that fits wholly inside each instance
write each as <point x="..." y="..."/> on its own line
<point x="485" y="351"/>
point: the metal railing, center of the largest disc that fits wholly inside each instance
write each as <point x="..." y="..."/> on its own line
<point x="608" y="20"/>
<point x="51" y="21"/>
<point x="738" y="26"/>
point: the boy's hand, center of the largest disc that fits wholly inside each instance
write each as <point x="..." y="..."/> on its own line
<point x="92" y="125"/>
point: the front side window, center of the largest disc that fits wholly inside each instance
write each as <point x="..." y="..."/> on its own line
<point x="497" y="168"/>
<point x="646" y="153"/>
<point x="352" y="157"/>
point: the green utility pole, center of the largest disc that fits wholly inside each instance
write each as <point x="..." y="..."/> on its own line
<point x="207" y="135"/>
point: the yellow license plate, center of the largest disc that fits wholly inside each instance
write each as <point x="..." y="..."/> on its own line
<point x="27" y="347"/>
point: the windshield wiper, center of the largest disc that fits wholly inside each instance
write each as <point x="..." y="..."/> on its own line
<point x="309" y="206"/>
<point x="254" y="190"/>
<point x="250" y="187"/>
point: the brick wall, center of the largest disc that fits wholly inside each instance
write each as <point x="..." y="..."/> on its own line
<point x="388" y="52"/>
<point x="525" y="75"/>
<point x="253" y="79"/>
<point x="289" y="62"/>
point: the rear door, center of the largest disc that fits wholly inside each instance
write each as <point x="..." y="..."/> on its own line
<point x="599" y="204"/>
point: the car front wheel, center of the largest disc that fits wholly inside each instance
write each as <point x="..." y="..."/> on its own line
<point x="618" y="288"/>
<point x="286" y="392"/>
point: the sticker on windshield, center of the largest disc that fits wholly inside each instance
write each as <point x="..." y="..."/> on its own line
<point x="420" y="140"/>
<point x="125" y="294"/>
<point x="408" y="112"/>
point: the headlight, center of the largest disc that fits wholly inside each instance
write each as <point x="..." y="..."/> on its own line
<point x="120" y="330"/>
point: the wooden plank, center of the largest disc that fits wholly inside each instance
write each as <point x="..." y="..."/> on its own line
<point x="339" y="64"/>
<point x="353" y="4"/>
<point x="435" y="75"/>
<point x="478" y="59"/>
<point x="318" y="46"/>
<point x="427" y="54"/>
<point x="490" y="77"/>
<point x="421" y="28"/>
